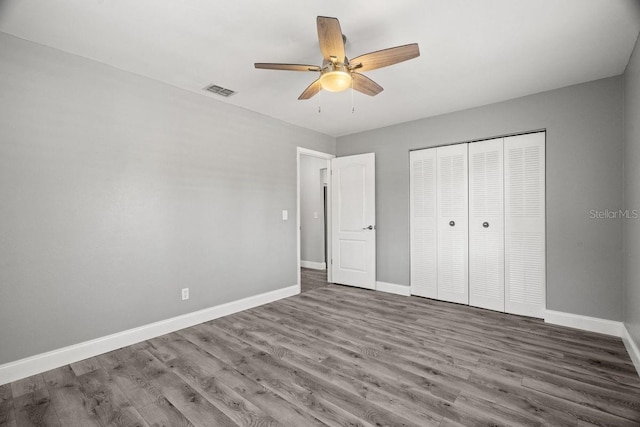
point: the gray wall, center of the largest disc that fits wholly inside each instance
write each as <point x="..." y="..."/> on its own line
<point x="584" y="172"/>
<point x="632" y="195"/>
<point x="311" y="201"/>
<point x="116" y="191"/>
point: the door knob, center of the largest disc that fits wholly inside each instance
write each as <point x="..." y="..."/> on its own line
<point x="452" y="223"/>
<point x="371" y="227"/>
<point x="485" y="224"/>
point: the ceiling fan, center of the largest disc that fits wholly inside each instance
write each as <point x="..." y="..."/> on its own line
<point x="337" y="72"/>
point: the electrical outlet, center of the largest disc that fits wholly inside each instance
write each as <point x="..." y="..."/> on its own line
<point x="185" y="294"/>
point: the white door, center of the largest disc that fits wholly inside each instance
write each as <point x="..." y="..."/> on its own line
<point x="453" y="237"/>
<point x="353" y="232"/>
<point x="486" y="225"/>
<point x="525" y="271"/>
<point x="424" y="248"/>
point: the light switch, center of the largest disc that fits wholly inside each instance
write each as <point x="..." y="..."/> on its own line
<point x="315" y="215"/>
<point x="285" y="215"/>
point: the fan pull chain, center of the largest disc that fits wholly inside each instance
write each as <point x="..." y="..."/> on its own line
<point x="353" y="110"/>
<point x="320" y="102"/>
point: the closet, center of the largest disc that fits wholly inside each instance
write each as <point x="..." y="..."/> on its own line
<point x="477" y="213"/>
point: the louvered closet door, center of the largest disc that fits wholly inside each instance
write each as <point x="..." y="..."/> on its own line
<point x="423" y="223"/>
<point x="525" y="224"/>
<point x="453" y="238"/>
<point x="486" y="225"/>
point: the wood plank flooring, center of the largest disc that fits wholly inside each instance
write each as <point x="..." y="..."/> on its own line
<point x="341" y="356"/>
<point x="312" y="279"/>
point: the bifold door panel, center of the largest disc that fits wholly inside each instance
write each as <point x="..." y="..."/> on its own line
<point x="452" y="208"/>
<point x="424" y="227"/>
<point x="525" y="270"/>
<point x="486" y="225"/>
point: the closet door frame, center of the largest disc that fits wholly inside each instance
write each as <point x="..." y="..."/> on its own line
<point x="510" y="225"/>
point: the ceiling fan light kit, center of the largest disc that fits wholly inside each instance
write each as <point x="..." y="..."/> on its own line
<point x="336" y="80"/>
<point x="337" y="72"/>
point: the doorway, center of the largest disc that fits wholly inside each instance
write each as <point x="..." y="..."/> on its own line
<point x="313" y="217"/>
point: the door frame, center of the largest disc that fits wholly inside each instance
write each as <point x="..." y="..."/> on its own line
<point x="325" y="156"/>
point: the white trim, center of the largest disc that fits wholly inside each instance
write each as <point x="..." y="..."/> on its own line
<point x="586" y="323"/>
<point x="393" y="288"/>
<point x="314" y="153"/>
<point x="313" y="265"/>
<point x="307" y="152"/>
<point x="632" y="348"/>
<point x="23" y="368"/>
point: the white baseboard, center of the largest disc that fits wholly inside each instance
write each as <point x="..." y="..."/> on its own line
<point x="393" y="288"/>
<point x="313" y="265"/>
<point x="632" y="348"/>
<point x="23" y="368"/>
<point x="586" y="323"/>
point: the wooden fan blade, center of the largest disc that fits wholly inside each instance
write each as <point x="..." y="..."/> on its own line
<point x="330" y="38"/>
<point x="364" y="84"/>
<point x="310" y="91"/>
<point x="385" y="57"/>
<point x="286" y="67"/>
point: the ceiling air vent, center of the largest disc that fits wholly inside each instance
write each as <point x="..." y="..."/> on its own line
<point x="219" y="90"/>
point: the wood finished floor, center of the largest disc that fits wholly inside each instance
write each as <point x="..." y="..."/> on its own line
<point x="341" y="356"/>
<point x="312" y="279"/>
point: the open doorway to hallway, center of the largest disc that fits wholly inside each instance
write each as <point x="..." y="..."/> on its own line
<point x="314" y="250"/>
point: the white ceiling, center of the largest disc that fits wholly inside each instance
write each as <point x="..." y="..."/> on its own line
<point x="473" y="52"/>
